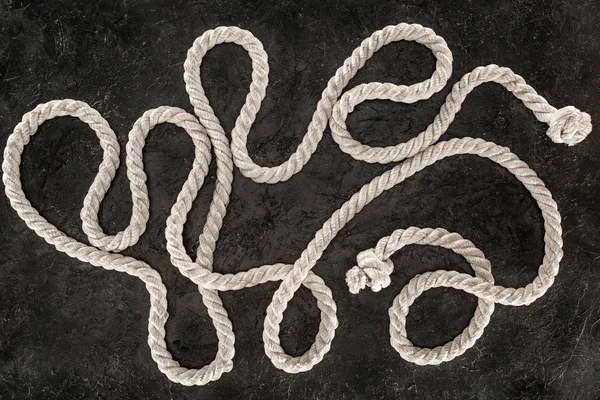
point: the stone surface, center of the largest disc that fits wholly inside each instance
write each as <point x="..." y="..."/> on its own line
<point x="69" y="330"/>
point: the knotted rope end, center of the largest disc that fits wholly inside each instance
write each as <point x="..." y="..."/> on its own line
<point x="370" y="271"/>
<point x="569" y="125"/>
<point x="356" y="280"/>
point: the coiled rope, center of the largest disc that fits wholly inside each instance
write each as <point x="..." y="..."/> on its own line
<point x="567" y="125"/>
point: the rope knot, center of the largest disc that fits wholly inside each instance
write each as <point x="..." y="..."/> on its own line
<point x="569" y="125"/>
<point x="370" y="271"/>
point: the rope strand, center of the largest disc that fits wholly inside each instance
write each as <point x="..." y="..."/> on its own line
<point x="567" y="125"/>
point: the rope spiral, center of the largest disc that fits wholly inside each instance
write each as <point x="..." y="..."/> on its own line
<point x="567" y="125"/>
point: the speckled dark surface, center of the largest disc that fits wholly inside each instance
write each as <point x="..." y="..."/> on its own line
<point x="71" y="331"/>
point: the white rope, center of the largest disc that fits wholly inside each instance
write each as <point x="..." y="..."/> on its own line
<point x="567" y="125"/>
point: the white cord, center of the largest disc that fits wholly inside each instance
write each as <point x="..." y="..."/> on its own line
<point x="567" y="125"/>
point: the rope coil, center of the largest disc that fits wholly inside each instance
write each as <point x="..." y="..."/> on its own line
<point x="567" y="125"/>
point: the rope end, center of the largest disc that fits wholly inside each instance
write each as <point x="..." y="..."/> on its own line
<point x="569" y="126"/>
<point x="356" y="280"/>
<point x="370" y="271"/>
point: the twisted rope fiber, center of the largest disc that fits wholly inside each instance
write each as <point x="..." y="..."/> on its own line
<point x="567" y="125"/>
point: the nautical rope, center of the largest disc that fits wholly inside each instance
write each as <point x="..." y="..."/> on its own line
<point x="567" y="125"/>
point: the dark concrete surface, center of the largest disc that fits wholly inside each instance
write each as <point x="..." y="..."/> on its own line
<point x="72" y="331"/>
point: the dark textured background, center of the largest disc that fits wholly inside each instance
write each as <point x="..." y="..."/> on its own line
<point x="69" y="330"/>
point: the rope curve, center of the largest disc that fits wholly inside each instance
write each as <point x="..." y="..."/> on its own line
<point x="567" y="125"/>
